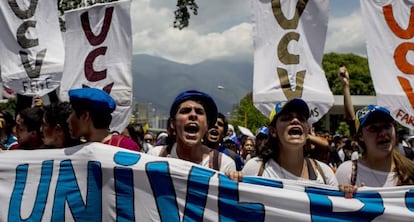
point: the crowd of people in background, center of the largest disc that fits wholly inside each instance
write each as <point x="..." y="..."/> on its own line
<point x="378" y="153"/>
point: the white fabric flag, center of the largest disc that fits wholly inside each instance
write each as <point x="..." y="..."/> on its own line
<point x="289" y="38"/>
<point x="389" y="28"/>
<point x="31" y="46"/>
<point x="98" y="54"/>
<point x="98" y="182"/>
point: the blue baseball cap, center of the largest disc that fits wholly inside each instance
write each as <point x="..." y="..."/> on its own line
<point x="370" y="114"/>
<point x="93" y="98"/>
<point x="297" y="105"/>
<point x="206" y="101"/>
<point x="263" y="130"/>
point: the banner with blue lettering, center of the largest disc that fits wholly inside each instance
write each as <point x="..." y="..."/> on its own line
<point x="98" y="182"/>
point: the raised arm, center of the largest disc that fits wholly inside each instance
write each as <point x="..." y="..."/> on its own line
<point x="348" y="106"/>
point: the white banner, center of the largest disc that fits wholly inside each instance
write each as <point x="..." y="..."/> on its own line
<point x="98" y="182"/>
<point x="31" y="46"/>
<point x="98" y="54"/>
<point x="289" y="38"/>
<point x="389" y="27"/>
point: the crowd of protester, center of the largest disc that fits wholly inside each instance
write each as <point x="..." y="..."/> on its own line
<point x="377" y="154"/>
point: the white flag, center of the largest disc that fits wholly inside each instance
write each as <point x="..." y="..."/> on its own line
<point x="389" y="27"/>
<point x="289" y="39"/>
<point x="98" y="54"/>
<point x="31" y="46"/>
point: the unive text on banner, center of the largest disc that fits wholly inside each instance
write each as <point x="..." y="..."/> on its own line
<point x="289" y="38"/>
<point x="98" y="182"/>
<point x="31" y="46"/>
<point x="98" y="54"/>
<point x="389" y="29"/>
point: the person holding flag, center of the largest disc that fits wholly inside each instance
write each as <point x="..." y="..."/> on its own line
<point x="380" y="165"/>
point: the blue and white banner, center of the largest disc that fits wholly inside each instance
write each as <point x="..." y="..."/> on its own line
<point x="98" y="182"/>
<point x="289" y="39"/>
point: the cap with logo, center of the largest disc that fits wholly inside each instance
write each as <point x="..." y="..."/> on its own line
<point x="294" y="105"/>
<point x="370" y="114"/>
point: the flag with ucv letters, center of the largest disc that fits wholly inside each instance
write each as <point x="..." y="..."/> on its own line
<point x="289" y="38"/>
<point x="31" y="46"/>
<point x="98" y="54"/>
<point x="389" y="31"/>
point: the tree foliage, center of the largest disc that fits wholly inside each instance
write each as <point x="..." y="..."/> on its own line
<point x="361" y="82"/>
<point x="182" y="14"/>
<point x="9" y="106"/>
<point x="246" y="114"/>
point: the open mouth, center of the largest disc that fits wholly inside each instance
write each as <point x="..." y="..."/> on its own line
<point x="295" y="131"/>
<point x="213" y="132"/>
<point x="191" y="128"/>
<point x="382" y="142"/>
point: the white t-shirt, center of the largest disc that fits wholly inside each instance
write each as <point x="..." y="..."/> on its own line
<point x="227" y="163"/>
<point x="274" y="171"/>
<point x="366" y="175"/>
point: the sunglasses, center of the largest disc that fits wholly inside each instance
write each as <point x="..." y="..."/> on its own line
<point x="148" y="140"/>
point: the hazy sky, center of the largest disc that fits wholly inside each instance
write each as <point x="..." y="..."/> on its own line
<point x="222" y="30"/>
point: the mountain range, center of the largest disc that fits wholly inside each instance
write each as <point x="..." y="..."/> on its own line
<point x="158" y="81"/>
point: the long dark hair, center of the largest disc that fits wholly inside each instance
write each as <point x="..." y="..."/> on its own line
<point x="269" y="147"/>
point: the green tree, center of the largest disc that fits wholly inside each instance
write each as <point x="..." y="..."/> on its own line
<point x="182" y="14"/>
<point x="10" y="105"/>
<point x="246" y="114"/>
<point x="361" y="82"/>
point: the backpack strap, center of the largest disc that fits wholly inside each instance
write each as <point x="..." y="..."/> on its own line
<point x="354" y="172"/>
<point x="119" y="138"/>
<point x="319" y="168"/>
<point x="232" y="154"/>
<point x="115" y="140"/>
<point x="164" y="152"/>
<point x="215" y="159"/>
<point x="311" y="171"/>
<point x="261" y="169"/>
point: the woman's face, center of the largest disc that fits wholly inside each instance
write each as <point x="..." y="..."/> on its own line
<point x="190" y="123"/>
<point x="292" y="130"/>
<point x="248" y="146"/>
<point x="379" y="138"/>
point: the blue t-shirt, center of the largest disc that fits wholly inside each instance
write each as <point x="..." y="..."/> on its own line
<point x="236" y="157"/>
